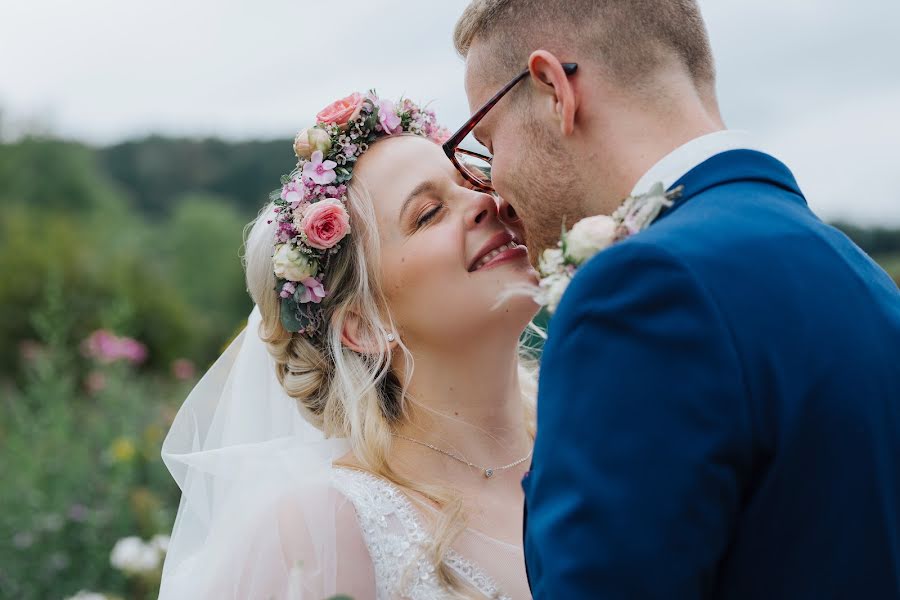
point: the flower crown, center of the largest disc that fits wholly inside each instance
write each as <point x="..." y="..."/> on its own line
<point x="311" y="207"/>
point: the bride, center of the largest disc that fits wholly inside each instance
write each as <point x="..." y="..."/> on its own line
<point x="367" y="432"/>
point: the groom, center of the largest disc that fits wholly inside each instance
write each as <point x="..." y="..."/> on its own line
<point x="719" y="408"/>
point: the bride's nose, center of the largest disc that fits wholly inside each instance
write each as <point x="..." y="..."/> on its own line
<point x="483" y="208"/>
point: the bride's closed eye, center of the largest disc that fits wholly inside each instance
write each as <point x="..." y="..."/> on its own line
<point x="429" y="214"/>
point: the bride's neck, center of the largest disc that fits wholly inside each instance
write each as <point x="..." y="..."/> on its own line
<point x="468" y="402"/>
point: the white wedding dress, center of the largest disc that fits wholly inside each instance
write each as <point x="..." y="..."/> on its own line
<point x="265" y="514"/>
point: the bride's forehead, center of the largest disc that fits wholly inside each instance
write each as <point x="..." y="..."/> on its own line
<point x="399" y="158"/>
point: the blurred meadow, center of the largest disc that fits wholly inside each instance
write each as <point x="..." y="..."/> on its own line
<point x="137" y="141"/>
<point x="121" y="283"/>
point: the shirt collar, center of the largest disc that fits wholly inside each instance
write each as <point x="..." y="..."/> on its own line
<point x="683" y="159"/>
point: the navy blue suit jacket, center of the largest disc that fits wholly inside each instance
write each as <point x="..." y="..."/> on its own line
<point x="719" y="407"/>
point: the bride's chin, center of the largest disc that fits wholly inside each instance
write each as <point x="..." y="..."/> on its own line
<point x="518" y="305"/>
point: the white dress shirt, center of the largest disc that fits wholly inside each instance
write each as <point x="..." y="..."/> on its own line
<point x="684" y="158"/>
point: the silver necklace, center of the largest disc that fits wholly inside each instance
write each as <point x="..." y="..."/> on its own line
<point x="488" y="472"/>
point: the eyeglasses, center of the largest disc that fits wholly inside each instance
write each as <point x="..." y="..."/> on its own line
<point x="474" y="166"/>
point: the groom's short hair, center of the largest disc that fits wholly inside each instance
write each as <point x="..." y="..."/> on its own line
<point x="629" y="38"/>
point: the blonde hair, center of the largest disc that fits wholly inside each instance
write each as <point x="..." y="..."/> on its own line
<point x="349" y="394"/>
<point x="629" y="39"/>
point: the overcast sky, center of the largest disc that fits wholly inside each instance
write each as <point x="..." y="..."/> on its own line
<point x="817" y="80"/>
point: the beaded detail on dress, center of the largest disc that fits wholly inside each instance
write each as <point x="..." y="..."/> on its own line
<point x="396" y="539"/>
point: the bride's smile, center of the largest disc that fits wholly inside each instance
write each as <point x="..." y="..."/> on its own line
<point x="444" y="248"/>
<point x="501" y="248"/>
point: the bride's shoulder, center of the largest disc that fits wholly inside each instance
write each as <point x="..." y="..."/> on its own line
<point x="358" y="504"/>
<point x="374" y="498"/>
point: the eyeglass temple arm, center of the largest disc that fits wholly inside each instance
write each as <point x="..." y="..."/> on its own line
<point x="568" y="68"/>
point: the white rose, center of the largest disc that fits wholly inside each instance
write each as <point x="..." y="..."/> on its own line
<point x="132" y="555"/>
<point x="554" y="287"/>
<point x="589" y="236"/>
<point x="319" y="140"/>
<point x="311" y="140"/>
<point x="301" y="145"/>
<point x="551" y="260"/>
<point x="291" y="264"/>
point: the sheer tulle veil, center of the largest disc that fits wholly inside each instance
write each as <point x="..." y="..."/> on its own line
<point x="237" y="445"/>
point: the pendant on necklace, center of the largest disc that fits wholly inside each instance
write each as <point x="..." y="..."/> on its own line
<point x="488" y="473"/>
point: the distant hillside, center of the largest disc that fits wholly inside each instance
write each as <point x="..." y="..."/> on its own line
<point x="156" y="171"/>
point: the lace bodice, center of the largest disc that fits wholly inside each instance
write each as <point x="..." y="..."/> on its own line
<point x="396" y="537"/>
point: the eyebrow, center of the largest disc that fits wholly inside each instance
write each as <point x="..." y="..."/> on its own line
<point x="426" y="187"/>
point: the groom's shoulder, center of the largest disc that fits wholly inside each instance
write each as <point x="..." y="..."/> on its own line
<point x="743" y="243"/>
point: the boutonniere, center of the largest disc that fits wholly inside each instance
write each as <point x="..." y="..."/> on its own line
<point x="594" y="234"/>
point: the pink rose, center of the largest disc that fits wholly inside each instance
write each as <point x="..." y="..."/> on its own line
<point x="325" y="223"/>
<point x="342" y="111"/>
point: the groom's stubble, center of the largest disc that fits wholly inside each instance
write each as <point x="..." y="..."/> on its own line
<point x="545" y="187"/>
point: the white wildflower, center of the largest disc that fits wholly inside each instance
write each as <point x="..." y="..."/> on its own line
<point x="86" y="595"/>
<point x="132" y="555"/>
<point x="160" y="542"/>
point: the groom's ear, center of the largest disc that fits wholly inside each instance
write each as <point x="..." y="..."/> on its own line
<point x="555" y="88"/>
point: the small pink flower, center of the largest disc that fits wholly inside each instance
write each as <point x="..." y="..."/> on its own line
<point x="441" y="135"/>
<point x="287" y="228"/>
<point x="106" y="348"/>
<point x="95" y="382"/>
<point x="182" y="369"/>
<point x="387" y="116"/>
<point x="318" y="171"/>
<point x="288" y="290"/>
<point x="342" y="111"/>
<point x="313" y="291"/>
<point x="325" y="223"/>
<point x="132" y="350"/>
<point x="30" y="350"/>
<point x="292" y="191"/>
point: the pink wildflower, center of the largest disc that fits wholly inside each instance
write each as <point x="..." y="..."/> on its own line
<point x="292" y="191"/>
<point x="95" y="382"/>
<point x="313" y="291"/>
<point x="106" y="348"/>
<point x="387" y="116"/>
<point x="318" y="171"/>
<point x="183" y="369"/>
<point x="288" y="290"/>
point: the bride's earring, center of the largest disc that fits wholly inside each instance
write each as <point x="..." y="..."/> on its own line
<point x="390" y="337"/>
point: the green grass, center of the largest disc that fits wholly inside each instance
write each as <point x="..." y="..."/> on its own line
<point x="891" y="264"/>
